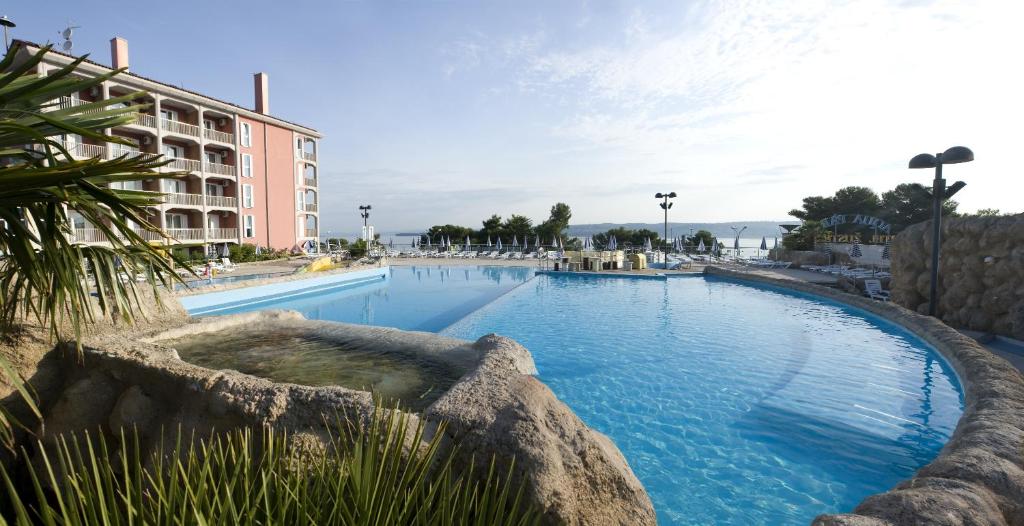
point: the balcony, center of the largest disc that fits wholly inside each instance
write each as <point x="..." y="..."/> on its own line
<point x="218" y="136"/>
<point x="309" y="181"/>
<point x="182" y="128"/>
<point x="219" y="169"/>
<point x="88" y="151"/>
<point x="310" y="232"/>
<point x="145" y="119"/>
<point x="309" y="156"/>
<point x="222" y="233"/>
<point x="309" y="207"/>
<point x="222" y="201"/>
<point x="90" y="235"/>
<point x="147" y="235"/>
<point x="186" y="234"/>
<point x="184" y="199"/>
<point x="189" y="165"/>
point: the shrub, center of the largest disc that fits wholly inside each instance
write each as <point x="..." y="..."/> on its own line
<point x="261" y="477"/>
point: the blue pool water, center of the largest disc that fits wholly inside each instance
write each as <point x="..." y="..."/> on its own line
<point x="734" y="404"/>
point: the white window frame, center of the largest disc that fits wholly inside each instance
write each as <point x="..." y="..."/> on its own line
<point x="169" y="114"/>
<point x="246" y="165"/>
<point x="248" y="196"/>
<point x="245" y="133"/>
<point x="248" y="226"/>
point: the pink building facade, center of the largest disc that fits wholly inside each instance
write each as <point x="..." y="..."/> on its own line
<point x="252" y="178"/>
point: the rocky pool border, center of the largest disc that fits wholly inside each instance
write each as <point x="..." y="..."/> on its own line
<point x="978" y="477"/>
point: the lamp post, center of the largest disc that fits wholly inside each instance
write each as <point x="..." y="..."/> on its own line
<point x="736" y="239"/>
<point x="665" y="205"/>
<point x="954" y="155"/>
<point x="8" y="24"/>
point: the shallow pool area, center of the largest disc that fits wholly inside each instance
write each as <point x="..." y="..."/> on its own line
<point x="295" y="356"/>
<point x="733" y="403"/>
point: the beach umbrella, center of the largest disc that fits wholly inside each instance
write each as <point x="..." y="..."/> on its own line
<point x="467" y="242"/>
<point x="225" y="251"/>
<point x="554" y="242"/>
<point x="536" y="242"/>
<point x="391" y="243"/>
<point x="488" y="240"/>
<point x="776" y="243"/>
<point x="499" y="243"/>
<point x="700" y="246"/>
<point x="515" y="241"/>
<point x="886" y="254"/>
<point x="613" y="244"/>
<point x="764" y="244"/>
<point x="647" y="245"/>
<point x="855" y="251"/>
<point x="828" y="250"/>
<point x="258" y="249"/>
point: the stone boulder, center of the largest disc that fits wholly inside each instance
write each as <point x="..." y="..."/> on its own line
<point x="576" y="474"/>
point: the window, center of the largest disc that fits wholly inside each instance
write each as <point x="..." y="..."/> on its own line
<point x="214" y="189"/>
<point x="177" y="221"/>
<point x="246" y="165"/>
<point x="169" y="115"/>
<point x="208" y="124"/>
<point x="174" y="186"/>
<point x="247" y="199"/>
<point x="212" y="221"/>
<point x="298" y="200"/>
<point x="172" y="151"/>
<point x="249" y="226"/>
<point x="213" y="157"/>
<point x="245" y="131"/>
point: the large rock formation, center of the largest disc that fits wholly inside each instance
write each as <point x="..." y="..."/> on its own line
<point x="576" y="475"/>
<point x="981" y="272"/>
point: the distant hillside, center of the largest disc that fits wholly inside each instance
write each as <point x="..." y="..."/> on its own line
<point x="754" y="228"/>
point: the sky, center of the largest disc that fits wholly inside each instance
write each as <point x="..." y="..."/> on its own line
<point x="449" y="111"/>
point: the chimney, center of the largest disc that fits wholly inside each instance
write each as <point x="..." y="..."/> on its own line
<point x="118" y="53"/>
<point x="262" y="93"/>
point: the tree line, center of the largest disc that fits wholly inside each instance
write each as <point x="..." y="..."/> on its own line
<point x="494" y="227"/>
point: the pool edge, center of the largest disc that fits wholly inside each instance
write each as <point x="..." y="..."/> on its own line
<point x="979" y="473"/>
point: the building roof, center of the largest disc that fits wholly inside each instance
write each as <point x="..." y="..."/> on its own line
<point x="248" y="112"/>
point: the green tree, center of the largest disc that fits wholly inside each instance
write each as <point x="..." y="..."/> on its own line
<point x="492" y="227"/>
<point x="848" y="200"/>
<point x="803" y="237"/>
<point x="988" y="212"/>
<point x="910" y="203"/>
<point x="702" y="235"/>
<point x="556" y="224"/>
<point x="457" y="234"/>
<point x="517" y="226"/>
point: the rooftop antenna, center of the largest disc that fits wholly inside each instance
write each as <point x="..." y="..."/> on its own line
<point x="68" y="32"/>
<point x="6" y="22"/>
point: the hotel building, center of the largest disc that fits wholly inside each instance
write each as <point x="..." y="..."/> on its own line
<point x="252" y="178"/>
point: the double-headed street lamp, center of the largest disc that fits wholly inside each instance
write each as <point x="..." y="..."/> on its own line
<point x="954" y="155"/>
<point x="665" y="205"/>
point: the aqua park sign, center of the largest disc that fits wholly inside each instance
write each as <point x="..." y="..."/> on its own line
<point x="879" y="225"/>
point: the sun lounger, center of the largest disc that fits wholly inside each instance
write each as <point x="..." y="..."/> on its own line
<point x="873" y="289"/>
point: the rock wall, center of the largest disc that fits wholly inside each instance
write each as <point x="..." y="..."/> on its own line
<point x="981" y="272"/>
<point x="575" y="474"/>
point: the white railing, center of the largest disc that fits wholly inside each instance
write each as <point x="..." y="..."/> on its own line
<point x="310" y="207"/>
<point x="90" y="235"/>
<point x="310" y="232"/>
<point x="219" y="169"/>
<point x="186" y="234"/>
<point x="309" y="181"/>
<point x="222" y="233"/>
<point x="117" y="150"/>
<point x="222" y="201"/>
<point x="309" y="156"/>
<point x="183" y="128"/>
<point x="183" y="199"/>
<point x="85" y="150"/>
<point x="219" y="136"/>
<point x="147" y="235"/>
<point x="177" y="163"/>
<point x="145" y="119"/>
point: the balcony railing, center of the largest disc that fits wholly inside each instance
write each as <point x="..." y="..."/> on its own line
<point x="148" y="236"/>
<point x="222" y="201"/>
<point x="145" y="119"/>
<point x="90" y="235"/>
<point x="177" y="163"/>
<point x="309" y="156"/>
<point x="310" y="232"/>
<point x="222" y="233"/>
<point x="310" y="207"/>
<point x="219" y="169"/>
<point x="183" y="128"/>
<point x="78" y="149"/>
<point x="309" y="181"/>
<point x="186" y="234"/>
<point x="184" y="199"/>
<point x="219" y="136"/>
<point x="117" y="150"/>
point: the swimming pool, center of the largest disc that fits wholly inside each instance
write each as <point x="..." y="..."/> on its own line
<point x="734" y="403"/>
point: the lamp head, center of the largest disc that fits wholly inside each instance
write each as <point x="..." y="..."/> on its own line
<point x="957" y="154"/>
<point x="923" y="160"/>
<point x="658" y="195"/>
<point x="672" y="194"/>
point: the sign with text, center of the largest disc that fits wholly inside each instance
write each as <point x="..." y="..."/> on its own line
<point x="856" y="219"/>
